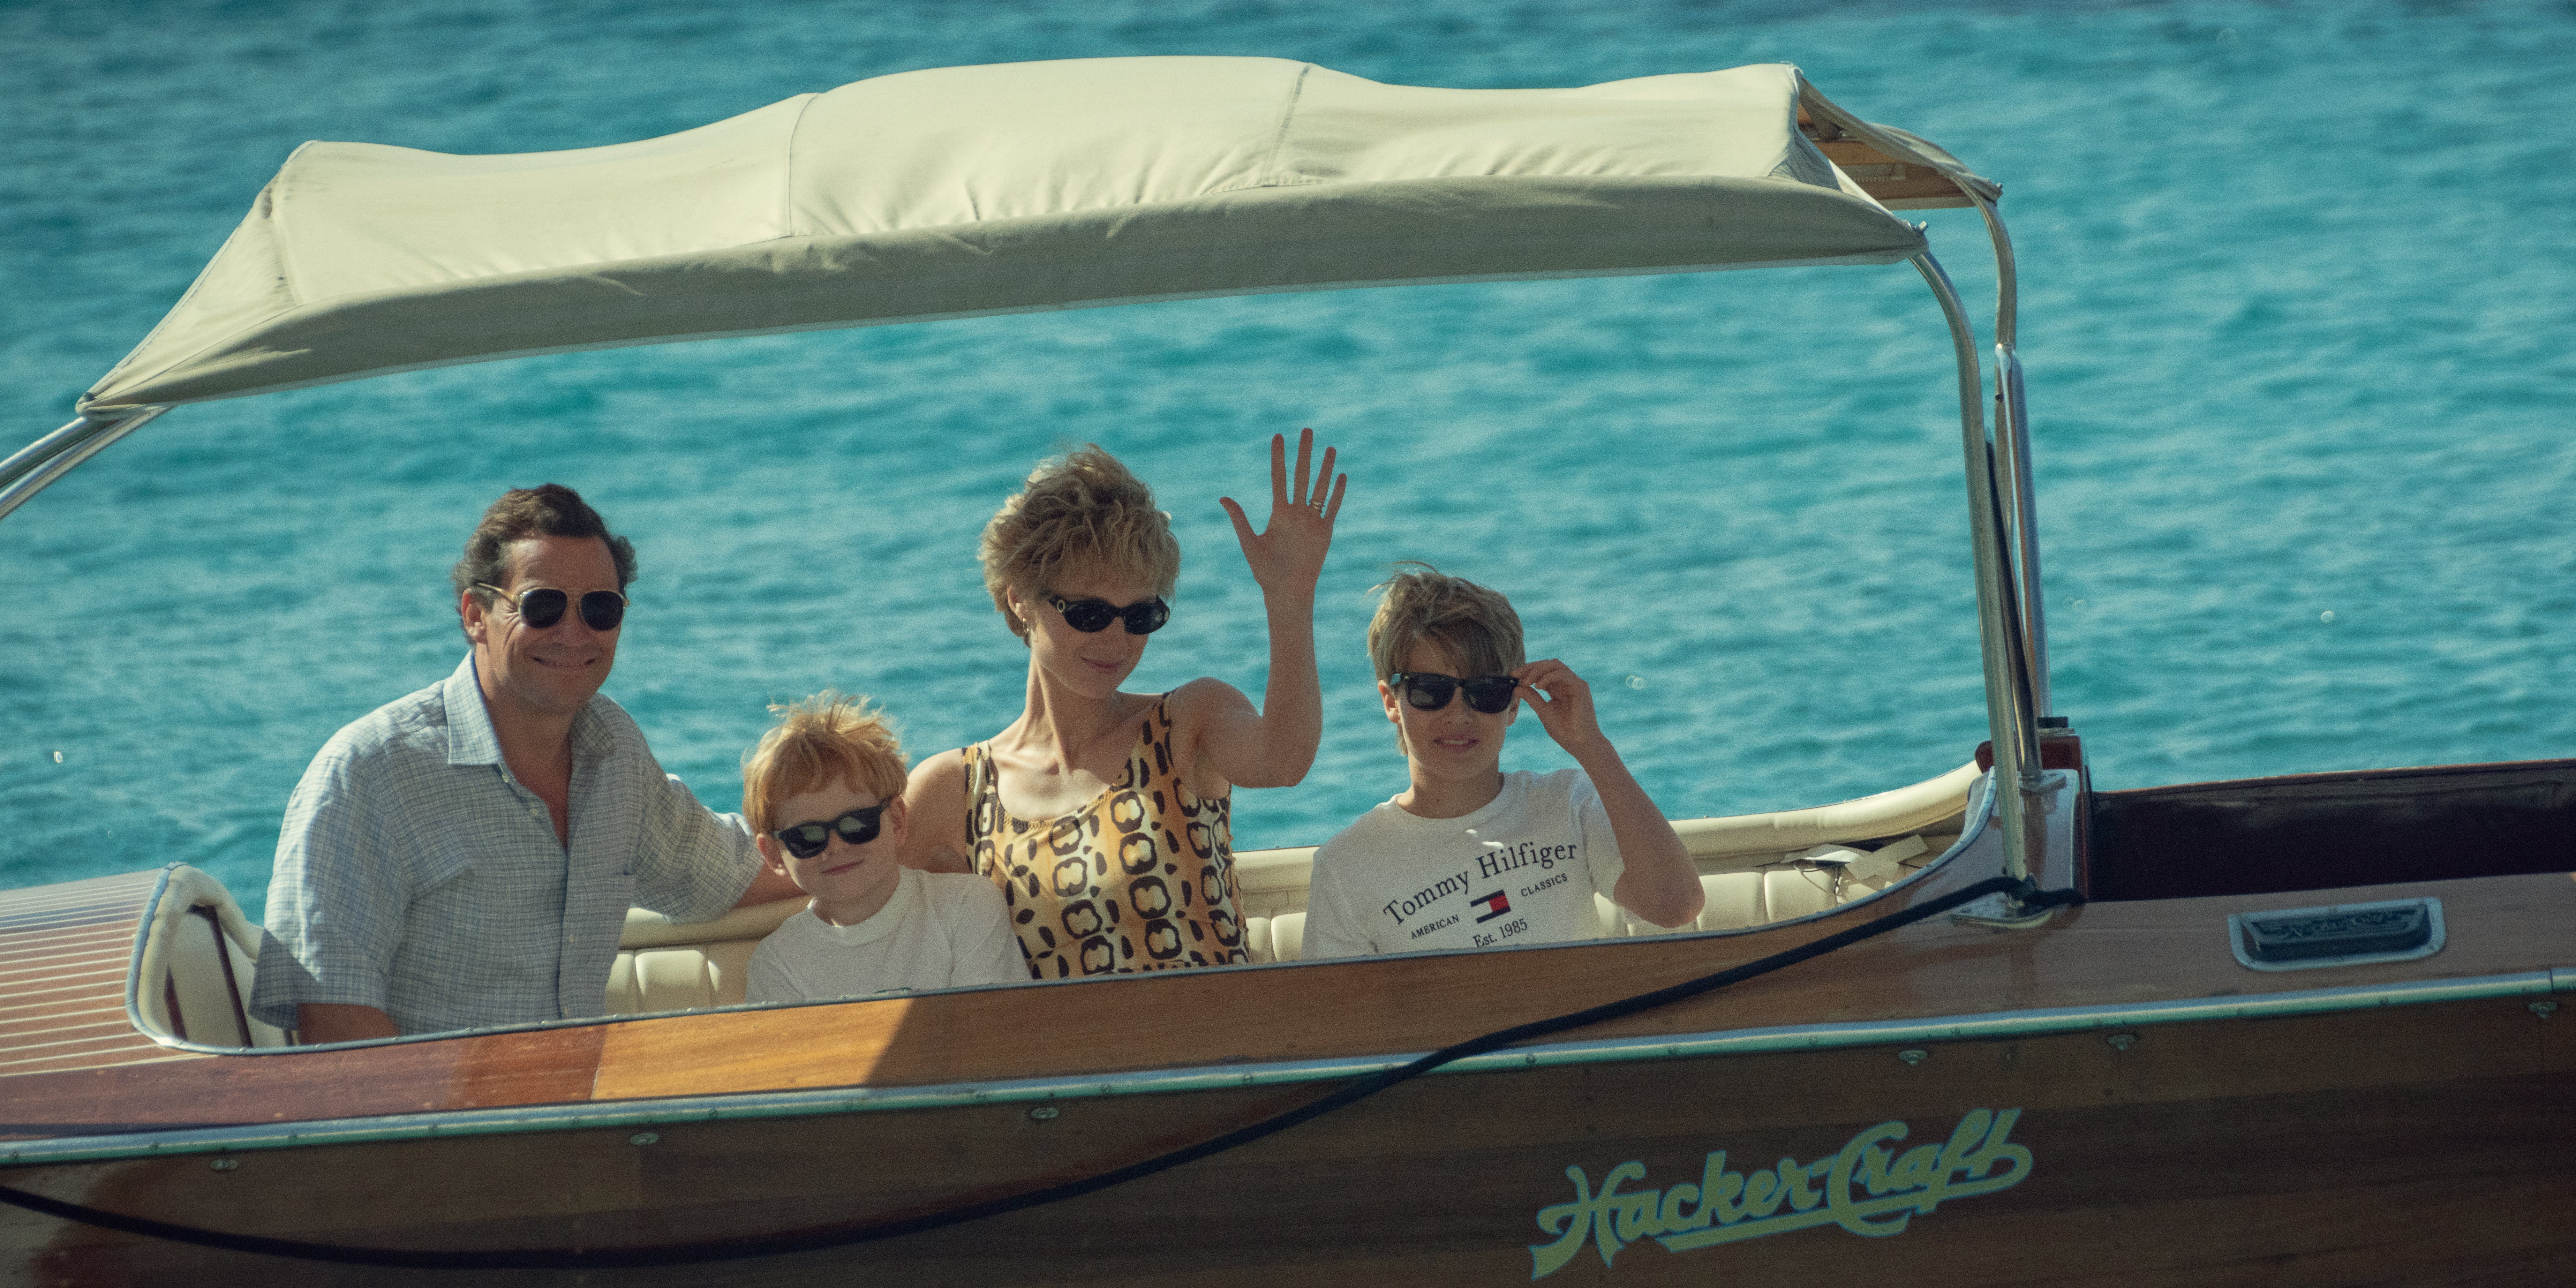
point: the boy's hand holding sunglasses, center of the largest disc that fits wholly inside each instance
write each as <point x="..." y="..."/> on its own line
<point x="1566" y="711"/>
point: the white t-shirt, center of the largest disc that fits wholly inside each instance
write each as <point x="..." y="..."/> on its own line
<point x="938" y="930"/>
<point x="1522" y="870"/>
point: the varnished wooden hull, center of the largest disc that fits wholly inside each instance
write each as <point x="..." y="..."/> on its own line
<point x="2423" y="1145"/>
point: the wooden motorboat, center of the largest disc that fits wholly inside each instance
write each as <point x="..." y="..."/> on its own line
<point x="1995" y="1027"/>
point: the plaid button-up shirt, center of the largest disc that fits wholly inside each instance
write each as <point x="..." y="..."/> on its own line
<point x="417" y="876"/>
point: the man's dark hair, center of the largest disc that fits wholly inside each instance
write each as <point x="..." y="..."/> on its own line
<point x="549" y="510"/>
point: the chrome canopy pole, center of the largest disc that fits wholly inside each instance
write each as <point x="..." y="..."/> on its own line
<point x="2012" y="439"/>
<point x="35" y="468"/>
<point x="2010" y="719"/>
<point x="2012" y="427"/>
<point x="46" y="448"/>
<point x="2012" y="449"/>
<point x="2007" y="280"/>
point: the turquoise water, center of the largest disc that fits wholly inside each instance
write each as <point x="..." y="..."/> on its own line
<point x="2299" y="283"/>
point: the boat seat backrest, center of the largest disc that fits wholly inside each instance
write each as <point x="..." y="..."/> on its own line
<point x="668" y="966"/>
<point x="1270" y="882"/>
<point x="665" y="965"/>
<point x="1798" y="891"/>
<point x="692" y="967"/>
<point x="199" y="986"/>
<point x="198" y="960"/>
<point x="1734" y="900"/>
<point x="688" y="977"/>
<point x="1274" y="939"/>
<point x="1800" y="885"/>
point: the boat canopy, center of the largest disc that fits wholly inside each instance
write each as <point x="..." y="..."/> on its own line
<point x="966" y="191"/>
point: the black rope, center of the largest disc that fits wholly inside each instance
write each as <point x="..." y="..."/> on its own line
<point x="852" y="1232"/>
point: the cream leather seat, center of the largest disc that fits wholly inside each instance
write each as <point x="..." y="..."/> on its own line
<point x="1797" y="891"/>
<point x="199" y="958"/>
<point x="666" y="965"/>
<point x="1275" y="939"/>
<point x="1797" y="885"/>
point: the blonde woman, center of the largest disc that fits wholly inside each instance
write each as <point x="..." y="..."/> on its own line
<point x="1103" y="814"/>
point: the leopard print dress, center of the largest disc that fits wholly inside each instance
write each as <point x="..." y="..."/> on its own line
<point x="1142" y="878"/>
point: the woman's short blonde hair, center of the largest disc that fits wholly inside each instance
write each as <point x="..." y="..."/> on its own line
<point x="1084" y="515"/>
<point x="1476" y="626"/>
<point x="825" y="739"/>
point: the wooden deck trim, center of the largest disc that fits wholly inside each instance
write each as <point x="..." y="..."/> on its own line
<point x="30" y="1012"/>
<point x="64" y="954"/>
<point x="23" y="1034"/>
<point x="43" y="946"/>
<point x="85" y="979"/>
<point x="1755" y="1046"/>
<point x="2097" y="955"/>
<point x="91" y="1053"/>
<point x="543" y="1067"/>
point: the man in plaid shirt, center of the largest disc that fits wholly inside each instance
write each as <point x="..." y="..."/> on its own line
<point x="464" y="857"/>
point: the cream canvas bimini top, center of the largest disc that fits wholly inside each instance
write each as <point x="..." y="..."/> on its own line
<point x="976" y="190"/>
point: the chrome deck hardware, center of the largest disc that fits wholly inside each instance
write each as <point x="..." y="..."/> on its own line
<point x="2344" y="935"/>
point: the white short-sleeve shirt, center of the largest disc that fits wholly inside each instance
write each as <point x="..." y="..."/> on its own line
<point x="1522" y="870"/>
<point x="938" y="930"/>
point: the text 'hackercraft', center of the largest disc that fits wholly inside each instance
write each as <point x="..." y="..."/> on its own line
<point x="1727" y="1206"/>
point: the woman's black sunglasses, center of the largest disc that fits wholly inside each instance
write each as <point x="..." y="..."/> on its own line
<point x="601" y="610"/>
<point x="1430" y="690"/>
<point x="858" y="827"/>
<point x="1144" y="617"/>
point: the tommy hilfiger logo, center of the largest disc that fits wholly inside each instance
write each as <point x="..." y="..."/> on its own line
<point x="1495" y="904"/>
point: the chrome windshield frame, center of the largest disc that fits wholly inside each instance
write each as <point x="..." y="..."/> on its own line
<point x="2012" y="444"/>
<point x="2012" y="716"/>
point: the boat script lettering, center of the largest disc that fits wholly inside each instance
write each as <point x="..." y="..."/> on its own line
<point x="1727" y="1206"/>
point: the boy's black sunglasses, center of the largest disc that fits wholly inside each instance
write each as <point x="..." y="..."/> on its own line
<point x="1430" y="690"/>
<point x="601" y="610"/>
<point x="858" y="827"/>
<point x="1089" y="616"/>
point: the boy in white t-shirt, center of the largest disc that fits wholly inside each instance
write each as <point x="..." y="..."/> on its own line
<point x="823" y="793"/>
<point x="1469" y="856"/>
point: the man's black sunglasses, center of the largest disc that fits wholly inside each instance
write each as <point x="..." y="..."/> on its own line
<point x="1430" y="690"/>
<point x="1144" y="617"/>
<point x="601" y="610"/>
<point x="858" y="827"/>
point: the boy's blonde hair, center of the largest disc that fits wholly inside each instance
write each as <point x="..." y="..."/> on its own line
<point x="1475" y="625"/>
<point x="1082" y="515"/>
<point x="822" y="740"/>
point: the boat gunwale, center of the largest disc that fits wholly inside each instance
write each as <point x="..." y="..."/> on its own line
<point x="2329" y="777"/>
<point x="1976" y="821"/>
<point x="667" y="1111"/>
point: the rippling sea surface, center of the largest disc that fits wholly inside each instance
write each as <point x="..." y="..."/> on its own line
<point x="2299" y="284"/>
